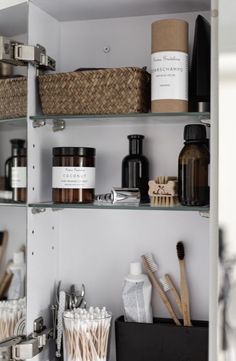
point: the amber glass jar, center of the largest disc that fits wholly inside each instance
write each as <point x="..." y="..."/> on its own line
<point x="73" y="175"/>
<point x="19" y="175"/>
<point x="193" y="167"/>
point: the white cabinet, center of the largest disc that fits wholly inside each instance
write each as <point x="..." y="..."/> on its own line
<point x="92" y="245"/>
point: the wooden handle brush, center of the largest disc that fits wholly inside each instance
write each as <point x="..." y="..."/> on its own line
<point x="5" y="283"/>
<point x="151" y="267"/>
<point x="184" y="293"/>
<point x="3" y="243"/>
<point x="169" y="286"/>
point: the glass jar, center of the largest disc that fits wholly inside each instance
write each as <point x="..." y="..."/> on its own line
<point x="19" y="175"/>
<point x="73" y="175"/>
<point x="86" y="334"/>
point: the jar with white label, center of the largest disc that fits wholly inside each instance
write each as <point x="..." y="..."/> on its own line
<point x="19" y="175"/>
<point x="73" y="175"/>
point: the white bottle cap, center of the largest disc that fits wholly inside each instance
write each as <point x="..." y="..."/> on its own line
<point x="18" y="258"/>
<point x="135" y="268"/>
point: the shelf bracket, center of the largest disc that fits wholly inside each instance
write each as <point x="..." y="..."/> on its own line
<point x="37" y="123"/>
<point x="57" y="209"/>
<point x="204" y="214"/>
<point x="37" y="210"/>
<point x="58" y="125"/>
<point x="206" y="121"/>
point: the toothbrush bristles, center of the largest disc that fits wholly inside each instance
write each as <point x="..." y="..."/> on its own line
<point x="165" y="284"/>
<point x="180" y="250"/>
<point x="151" y="262"/>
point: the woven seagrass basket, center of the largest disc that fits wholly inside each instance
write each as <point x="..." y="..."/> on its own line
<point x="100" y="91"/>
<point x="13" y="97"/>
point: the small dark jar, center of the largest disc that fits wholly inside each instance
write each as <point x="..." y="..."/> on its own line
<point x="19" y="175"/>
<point x="73" y="175"/>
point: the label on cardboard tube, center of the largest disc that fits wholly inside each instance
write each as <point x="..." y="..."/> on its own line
<point x="169" y="72"/>
<point x="18" y="177"/>
<point x="73" y="177"/>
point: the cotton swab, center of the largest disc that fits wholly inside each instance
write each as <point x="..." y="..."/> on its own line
<point x="11" y="313"/>
<point x="86" y="334"/>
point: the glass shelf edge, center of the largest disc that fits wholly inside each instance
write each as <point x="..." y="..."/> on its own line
<point x="204" y="115"/>
<point x="119" y="207"/>
<point x="11" y="120"/>
<point x="12" y="204"/>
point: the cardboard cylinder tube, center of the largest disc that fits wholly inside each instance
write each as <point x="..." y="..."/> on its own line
<point x="170" y="66"/>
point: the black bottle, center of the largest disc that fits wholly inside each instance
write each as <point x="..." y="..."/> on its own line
<point x="200" y="73"/>
<point x="135" y="168"/>
<point x="194" y="160"/>
<point x="15" y="144"/>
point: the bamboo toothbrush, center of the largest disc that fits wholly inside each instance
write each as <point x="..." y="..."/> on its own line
<point x="184" y="293"/>
<point x="151" y="267"/>
<point x="3" y="243"/>
<point x="5" y="281"/>
<point x="169" y="286"/>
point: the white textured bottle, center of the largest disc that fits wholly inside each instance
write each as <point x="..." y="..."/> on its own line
<point x="136" y="295"/>
<point x="169" y="66"/>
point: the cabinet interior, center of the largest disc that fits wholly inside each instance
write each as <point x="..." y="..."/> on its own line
<point x="13" y="24"/>
<point x="94" y="246"/>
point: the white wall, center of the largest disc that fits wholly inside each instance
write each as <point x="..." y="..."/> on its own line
<point x="129" y="39"/>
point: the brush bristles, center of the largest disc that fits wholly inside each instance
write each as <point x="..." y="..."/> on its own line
<point x="165" y="284"/>
<point x="148" y="257"/>
<point x="165" y="201"/>
<point x="2" y="234"/>
<point x="180" y="250"/>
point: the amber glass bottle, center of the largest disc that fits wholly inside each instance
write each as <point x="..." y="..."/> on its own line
<point x="19" y="175"/>
<point x="194" y="160"/>
<point x="135" y="167"/>
<point x="15" y="144"/>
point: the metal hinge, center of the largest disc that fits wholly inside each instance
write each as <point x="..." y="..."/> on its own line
<point x="22" y="347"/>
<point x="16" y="53"/>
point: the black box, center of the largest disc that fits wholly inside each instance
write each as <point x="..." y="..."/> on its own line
<point x="161" y="341"/>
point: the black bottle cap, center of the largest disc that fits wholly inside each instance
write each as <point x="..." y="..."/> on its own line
<point x="135" y="136"/>
<point x="135" y="143"/>
<point x="17" y="143"/>
<point x="70" y="151"/>
<point x="19" y="152"/>
<point x="194" y="132"/>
